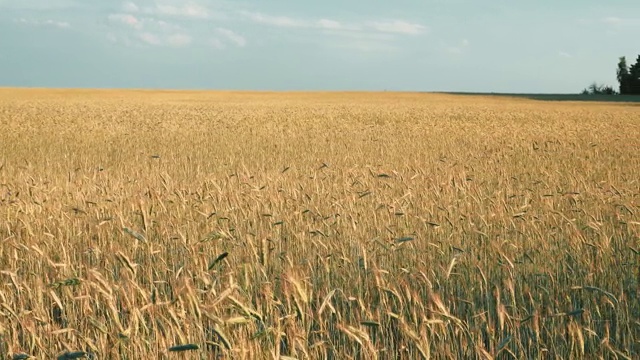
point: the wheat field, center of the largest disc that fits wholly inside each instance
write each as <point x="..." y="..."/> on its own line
<point x="246" y="225"/>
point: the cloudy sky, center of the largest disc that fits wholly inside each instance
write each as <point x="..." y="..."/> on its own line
<point x="547" y="46"/>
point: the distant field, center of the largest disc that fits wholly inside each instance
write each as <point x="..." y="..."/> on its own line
<point x="247" y="225"/>
<point x="564" y="97"/>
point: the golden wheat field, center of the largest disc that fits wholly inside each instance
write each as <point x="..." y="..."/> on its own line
<point x="240" y="225"/>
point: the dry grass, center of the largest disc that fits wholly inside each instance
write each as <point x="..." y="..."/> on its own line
<point x="135" y="225"/>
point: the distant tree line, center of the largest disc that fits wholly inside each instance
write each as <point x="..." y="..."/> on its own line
<point x="597" y="89"/>
<point x="628" y="80"/>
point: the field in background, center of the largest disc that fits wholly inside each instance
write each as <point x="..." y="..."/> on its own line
<point x="317" y="225"/>
<point x="563" y="97"/>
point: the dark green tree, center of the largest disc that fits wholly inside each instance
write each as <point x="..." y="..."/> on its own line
<point x="596" y="89"/>
<point x="634" y="78"/>
<point x="624" y="78"/>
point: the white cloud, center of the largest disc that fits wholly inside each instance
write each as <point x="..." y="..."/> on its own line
<point x="613" y="20"/>
<point x="59" y="24"/>
<point x="38" y="5"/>
<point x="175" y="40"/>
<point x="178" y="40"/>
<point x="189" y="10"/>
<point x="398" y="27"/>
<point x="615" y="24"/>
<point x="564" y="54"/>
<point x="130" y="7"/>
<point x="163" y="25"/>
<point x="232" y="37"/>
<point x="150" y="38"/>
<point x="330" y="24"/>
<point x="618" y="22"/>
<point x="146" y="23"/>
<point x="142" y="23"/>
<point x="226" y="36"/>
<point x="122" y="39"/>
<point x="359" y="35"/>
<point x="126" y="19"/>
<point x="51" y="23"/>
<point x="132" y="30"/>
<point x="278" y="21"/>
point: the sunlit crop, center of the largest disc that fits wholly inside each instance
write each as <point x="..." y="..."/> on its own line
<point x="145" y="225"/>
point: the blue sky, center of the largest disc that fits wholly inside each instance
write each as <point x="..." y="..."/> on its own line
<point x="421" y="45"/>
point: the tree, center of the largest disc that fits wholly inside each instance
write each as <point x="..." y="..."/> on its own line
<point x="629" y="77"/>
<point x="595" y="89"/>
<point x="634" y="77"/>
<point x="624" y="77"/>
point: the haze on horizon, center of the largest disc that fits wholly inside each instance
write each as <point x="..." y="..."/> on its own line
<point x="409" y="45"/>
